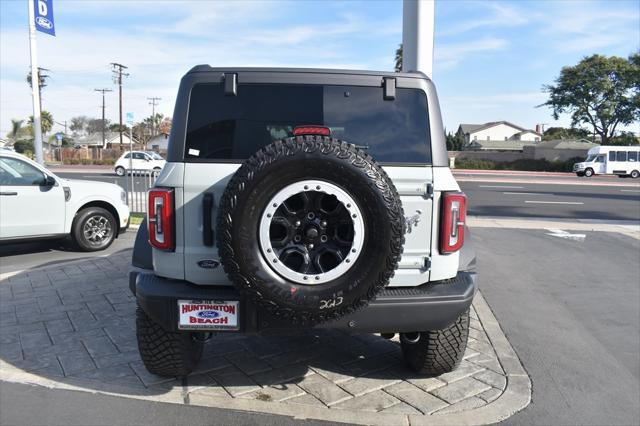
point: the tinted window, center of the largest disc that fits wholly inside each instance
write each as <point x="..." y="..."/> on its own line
<point x="138" y="156"/>
<point x="235" y="127"/>
<point x="612" y="156"/>
<point x="19" y="173"/>
<point x="600" y="159"/>
<point x="633" y="156"/>
<point x="621" y="156"/>
<point x="127" y="156"/>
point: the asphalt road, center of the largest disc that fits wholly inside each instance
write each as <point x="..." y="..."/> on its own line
<point x="525" y="195"/>
<point x="571" y="310"/>
<point x="552" y="200"/>
<point x="31" y="405"/>
<point x="21" y="256"/>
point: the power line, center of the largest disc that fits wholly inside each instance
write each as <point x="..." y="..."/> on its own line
<point x="153" y="104"/>
<point x="118" y="73"/>
<point x="104" y="123"/>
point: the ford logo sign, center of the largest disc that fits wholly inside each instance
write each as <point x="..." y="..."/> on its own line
<point x="209" y="263"/>
<point x="44" y="22"/>
<point x="208" y="314"/>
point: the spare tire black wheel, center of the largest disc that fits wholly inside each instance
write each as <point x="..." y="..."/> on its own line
<point x="310" y="228"/>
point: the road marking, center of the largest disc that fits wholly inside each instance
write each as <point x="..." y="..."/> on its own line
<point x="553" y="202"/>
<point x="501" y="186"/>
<point x="567" y="235"/>
<point x="526" y="193"/>
<point x="630" y="190"/>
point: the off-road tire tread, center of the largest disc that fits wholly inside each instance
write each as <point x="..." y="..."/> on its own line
<point x="171" y="354"/>
<point x="439" y="351"/>
<point x="327" y="146"/>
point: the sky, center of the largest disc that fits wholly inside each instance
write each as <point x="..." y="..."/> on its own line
<point x="492" y="58"/>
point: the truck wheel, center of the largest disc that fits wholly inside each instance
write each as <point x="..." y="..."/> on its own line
<point x="588" y="172"/>
<point x="436" y="352"/>
<point x="94" y="228"/>
<point x="635" y="174"/>
<point x="165" y="353"/>
<point x="310" y="228"/>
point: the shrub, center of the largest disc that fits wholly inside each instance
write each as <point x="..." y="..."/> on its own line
<point x="531" y="165"/>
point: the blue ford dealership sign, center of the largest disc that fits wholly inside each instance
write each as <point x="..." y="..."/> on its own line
<point x="44" y="16"/>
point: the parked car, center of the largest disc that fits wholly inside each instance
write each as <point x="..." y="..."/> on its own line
<point x="295" y="199"/>
<point x="139" y="160"/>
<point x="37" y="204"/>
<point x="623" y="161"/>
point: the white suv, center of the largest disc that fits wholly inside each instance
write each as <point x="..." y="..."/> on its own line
<point x="35" y="204"/>
<point x="139" y="161"/>
<point x="297" y="198"/>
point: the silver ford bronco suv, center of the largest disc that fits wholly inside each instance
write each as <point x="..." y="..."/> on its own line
<point x="304" y="198"/>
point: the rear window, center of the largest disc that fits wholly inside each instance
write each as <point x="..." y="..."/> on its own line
<point x="233" y="128"/>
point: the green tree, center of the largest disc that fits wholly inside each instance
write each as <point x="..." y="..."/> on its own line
<point x="454" y="142"/>
<point x="23" y="146"/>
<point x="398" y="60"/>
<point x="95" y="125"/>
<point x="625" y="138"/>
<point x="554" y="133"/>
<point x="115" y="127"/>
<point x="46" y="121"/>
<point x="600" y="91"/>
<point x="79" y="124"/>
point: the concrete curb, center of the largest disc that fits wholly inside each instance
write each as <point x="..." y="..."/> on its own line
<point x="515" y="397"/>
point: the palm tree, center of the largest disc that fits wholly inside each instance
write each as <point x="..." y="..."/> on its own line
<point x="16" y="127"/>
<point x="46" y="121"/>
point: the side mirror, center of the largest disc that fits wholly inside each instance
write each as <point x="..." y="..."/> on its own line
<point x="147" y="159"/>
<point x="49" y="181"/>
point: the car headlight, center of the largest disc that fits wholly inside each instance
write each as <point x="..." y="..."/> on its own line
<point x="123" y="196"/>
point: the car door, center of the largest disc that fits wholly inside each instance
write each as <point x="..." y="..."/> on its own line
<point x="139" y="161"/>
<point x="28" y="206"/>
<point x="600" y="164"/>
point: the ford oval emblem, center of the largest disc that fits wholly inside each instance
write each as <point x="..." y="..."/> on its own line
<point x="44" y="22"/>
<point x="209" y="263"/>
<point x="208" y="314"/>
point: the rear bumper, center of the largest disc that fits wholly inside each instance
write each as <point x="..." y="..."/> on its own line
<point x="432" y="306"/>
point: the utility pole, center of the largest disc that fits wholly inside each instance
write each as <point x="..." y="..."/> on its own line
<point x="118" y="73"/>
<point x="153" y="104"/>
<point x="35" y="94"/>
<point x="104" y="123"/>
<point x="42" y="82"/>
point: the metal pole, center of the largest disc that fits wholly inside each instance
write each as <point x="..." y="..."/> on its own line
<point x="418" y="27"/>
<point x="35" y="86"/>
<point x="131" y="160"/>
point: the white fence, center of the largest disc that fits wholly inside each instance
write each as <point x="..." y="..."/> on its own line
<point x="136" y="186"/>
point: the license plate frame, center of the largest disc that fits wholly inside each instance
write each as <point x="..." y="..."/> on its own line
<point x="203" y="315"/>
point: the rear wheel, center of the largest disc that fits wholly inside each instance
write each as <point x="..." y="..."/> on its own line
<point x="166" y="353"/>
<point x="635" y="174"/>
<point x="94" y="229"/>
<point x="588" y="172"/>
<point x="436" y="352"/>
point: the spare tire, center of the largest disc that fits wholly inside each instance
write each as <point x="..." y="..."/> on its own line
<point x="310" y="228"/>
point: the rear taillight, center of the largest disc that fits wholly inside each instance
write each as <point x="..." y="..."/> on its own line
<point x="160" y="219"/>
<point x="454" y="214"/>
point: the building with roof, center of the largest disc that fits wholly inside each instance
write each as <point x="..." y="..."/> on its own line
<point x="501" y="135"/>
<point x="559" y="149"/>
<point x="111" y="138"/>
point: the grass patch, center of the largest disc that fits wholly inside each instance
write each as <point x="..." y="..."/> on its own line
<point x="136" y="218"/>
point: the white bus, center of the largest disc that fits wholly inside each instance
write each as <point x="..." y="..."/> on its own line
<point x="610" y="160"/>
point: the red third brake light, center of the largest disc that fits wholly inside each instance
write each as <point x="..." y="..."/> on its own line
<point x="454" y="214"/>
<point x="311" y="130"/>
<point x="161" y="222"/>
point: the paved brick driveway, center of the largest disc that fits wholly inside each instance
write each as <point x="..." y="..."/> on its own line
<point x="72" y="325"/>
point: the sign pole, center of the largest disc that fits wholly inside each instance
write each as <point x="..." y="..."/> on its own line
<point x="35" y="86"/>
<point x="418" y="18"/>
